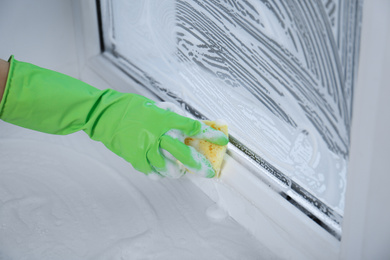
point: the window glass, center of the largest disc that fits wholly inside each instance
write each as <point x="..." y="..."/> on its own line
<point x="281" y="73"/>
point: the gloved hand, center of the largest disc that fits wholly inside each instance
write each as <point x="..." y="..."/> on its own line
<point x="130" y="125"/>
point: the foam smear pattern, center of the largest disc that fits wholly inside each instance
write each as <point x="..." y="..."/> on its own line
<point x="281" y="72"/>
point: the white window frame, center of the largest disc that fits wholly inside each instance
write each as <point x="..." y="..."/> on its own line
<point x="277" y="224"/>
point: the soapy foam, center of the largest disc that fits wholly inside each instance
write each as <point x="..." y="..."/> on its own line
<point x="208" y="133"/>
<point x="221" y="122"/>
<point x="265" y="67"/>
<point x="174" y="168"/>
<point x="205" y="166"/>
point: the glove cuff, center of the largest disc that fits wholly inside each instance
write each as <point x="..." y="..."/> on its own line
<point x="45" y="100"/>
<point x="9" y="76"/>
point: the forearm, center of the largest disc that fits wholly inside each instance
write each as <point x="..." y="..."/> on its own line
<point x="4" y="67"/>
<point x="130" y="125"/>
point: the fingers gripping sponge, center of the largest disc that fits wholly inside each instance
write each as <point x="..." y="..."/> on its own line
<point x="213" y="152"/>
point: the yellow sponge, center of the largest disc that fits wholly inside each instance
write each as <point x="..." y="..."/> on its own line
<point x="213" y="152"/>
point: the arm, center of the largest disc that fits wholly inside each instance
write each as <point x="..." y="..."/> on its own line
<point x="130" y="125"/>
<point x="4" y="67"/>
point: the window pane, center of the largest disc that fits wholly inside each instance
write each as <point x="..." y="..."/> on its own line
<point x="281" y="73"/>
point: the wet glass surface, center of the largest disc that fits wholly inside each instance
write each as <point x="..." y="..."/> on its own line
<point x="281" y="73"/>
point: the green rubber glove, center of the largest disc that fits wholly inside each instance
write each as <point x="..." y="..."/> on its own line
<point x="130" y="125"/>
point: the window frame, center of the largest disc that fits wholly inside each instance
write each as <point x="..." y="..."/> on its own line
<point x="302" y="198"/>
<point x="276" y="223"/>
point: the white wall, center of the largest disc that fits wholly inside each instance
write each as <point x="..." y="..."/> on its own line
<point x="366" y="230"/>
<point x="41" y="32"/>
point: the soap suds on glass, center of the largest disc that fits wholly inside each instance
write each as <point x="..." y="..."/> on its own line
<point x="281" y="73"/>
